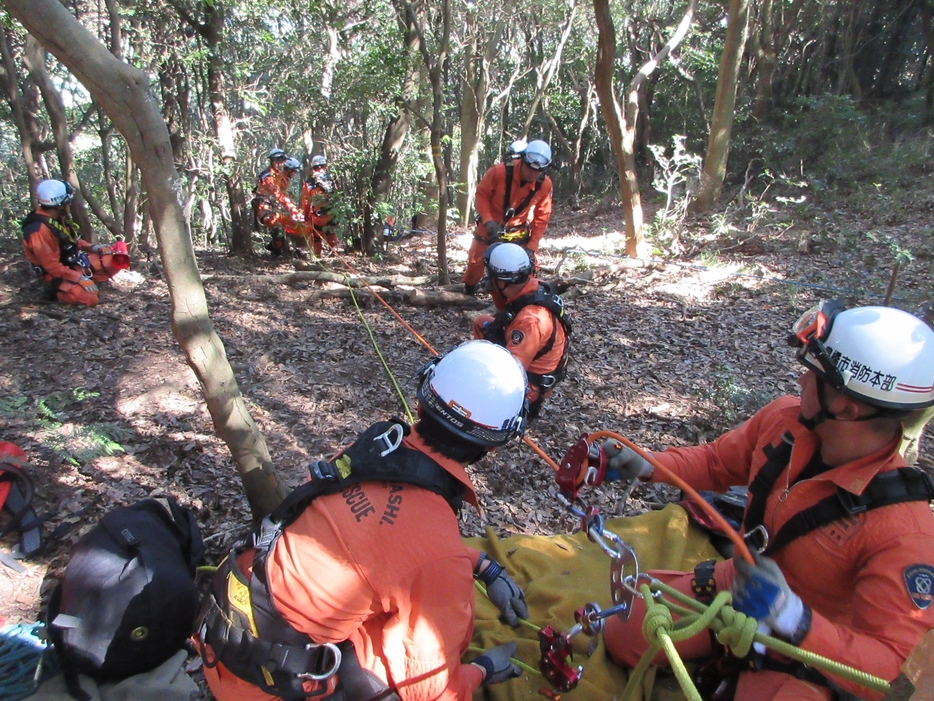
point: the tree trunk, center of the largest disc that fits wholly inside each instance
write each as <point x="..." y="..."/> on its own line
<point x="622" y="128"/>
<point x="435" y="67"/>
<point x="10" y="84"/>
<point x="34" y="60"/>
<point x="123" y="92"/>
<point x="718" y="144"/>
<point x="393" y="139"/>
<point x="240" y="239"/>
<point x="547" y="74"/>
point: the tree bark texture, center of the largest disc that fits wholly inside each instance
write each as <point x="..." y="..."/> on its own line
<point x="721" y="125"/>
<point x="123" y="91"/>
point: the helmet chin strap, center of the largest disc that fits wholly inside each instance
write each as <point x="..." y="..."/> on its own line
<point x="824" y="414"/>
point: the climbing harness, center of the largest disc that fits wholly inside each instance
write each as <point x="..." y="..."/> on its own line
<point x="239" y="620"/>
<point x="545" y="296"/>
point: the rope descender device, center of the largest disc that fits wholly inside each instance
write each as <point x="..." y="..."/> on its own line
<point x="585" y="464"/>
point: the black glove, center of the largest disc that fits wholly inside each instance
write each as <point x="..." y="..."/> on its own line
<point x="503" y="591"/>
<point x="625" y="462"/>
<point x="497" y="665"/>
<point x="492" y="231"/>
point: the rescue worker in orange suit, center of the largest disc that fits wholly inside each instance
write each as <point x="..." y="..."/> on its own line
<point x="69" y="266"/>
<point x="530" y="321"/>
<point x="852" y="578"/>
<point x="374" y="567"/>
<point x="316" y="196"/>
<point x="513" y="205"/>
<point x="272" y="207"/>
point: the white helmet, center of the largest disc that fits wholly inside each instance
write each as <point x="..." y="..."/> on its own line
<point x="516" y="149"/>
<point x="318" y="160"/>
<point x="537" y="155"/>
<point x="54" y="193"/>
<point x="507" y="262"/>
<point x="276" y="153"/>
<point x="476" y="391"/>
<point x="292" y="164"/>
<point x="879" y="355"/>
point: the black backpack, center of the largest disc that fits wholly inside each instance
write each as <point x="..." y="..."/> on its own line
<point x="128" y="600"/>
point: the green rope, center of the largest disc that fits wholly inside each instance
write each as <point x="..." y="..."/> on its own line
<point x="392" y="378"/>
<point x="518" y="663"/>
<point x="379" y="353"/>
<point x="733" y="629"/>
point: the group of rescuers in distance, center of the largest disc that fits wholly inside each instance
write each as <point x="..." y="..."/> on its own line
<point x="345" y="602"/>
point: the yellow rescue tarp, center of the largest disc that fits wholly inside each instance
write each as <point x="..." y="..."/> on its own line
<point x="559" y="574"/>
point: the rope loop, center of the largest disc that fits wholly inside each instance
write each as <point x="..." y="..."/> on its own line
<point x="738" y="631"/>
<point x="656" y="624"/>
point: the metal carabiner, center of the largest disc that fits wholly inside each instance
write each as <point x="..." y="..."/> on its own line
<point x="336" y="662"/>
<point x="762" y="532"/>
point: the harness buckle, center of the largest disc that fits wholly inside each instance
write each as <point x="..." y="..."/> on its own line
<point x="753" y="538"/>
<point x="336" y="658"/>
<point x="548" y="381"/>
<point x="851" y="502"/>
<point x="391" y="443"/>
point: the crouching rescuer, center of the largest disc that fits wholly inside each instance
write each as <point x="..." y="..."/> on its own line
<point x="69" y="266"/>
<point x="530" y="321"/>
<point x="358" y="586"/>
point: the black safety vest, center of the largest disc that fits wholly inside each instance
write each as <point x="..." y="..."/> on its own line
<point x="69" y="254"/>
<point x="510" y="212"/>
<point x="545" y="296"/>
<point x="887" y="488"/>
<point x="239" y="619"/>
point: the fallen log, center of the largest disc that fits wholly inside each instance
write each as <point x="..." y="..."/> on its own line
<point x="301" y="276"/>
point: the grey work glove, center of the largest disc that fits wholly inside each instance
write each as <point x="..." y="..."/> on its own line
<point x="503" y="591"/>
<point x="623" y="463"/>
<point x="497" y="665"/>
<point x="88" y="283"/>
<point x="761" y="592"/>
<point x="492" y="230"/>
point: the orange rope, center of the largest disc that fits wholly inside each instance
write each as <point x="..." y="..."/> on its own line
<point x="672" y="478"/>
<point x="669" y="475"/>
<point x="386" y="304"/>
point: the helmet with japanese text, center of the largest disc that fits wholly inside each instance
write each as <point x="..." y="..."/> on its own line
<point x="476" y="391"/>
<point x="537" y="155"/>
<point x="276" y="154"/>
<point x="881" y="356"/>
<point x="54" y="193"/>
<point x="508" y="263"/>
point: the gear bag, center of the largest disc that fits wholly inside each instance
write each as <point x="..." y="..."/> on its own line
<point x="128" y="600"/>
<point x="16" y="491"/>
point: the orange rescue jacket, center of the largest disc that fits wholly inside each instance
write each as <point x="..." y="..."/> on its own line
<point x="860" y="576"/>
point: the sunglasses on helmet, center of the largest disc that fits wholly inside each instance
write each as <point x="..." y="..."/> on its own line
<point x="809" y="334"/>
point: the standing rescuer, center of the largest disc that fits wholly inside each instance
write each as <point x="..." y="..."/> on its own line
<point x="847" y="568"/>
<point x="359" y="585"/>
<point x="530" y="322"/>
<point x="514" y="205"/>
<point x="69" y="266"/>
